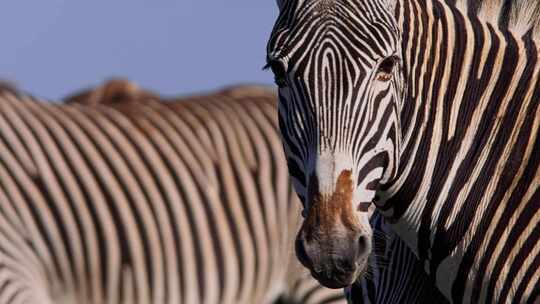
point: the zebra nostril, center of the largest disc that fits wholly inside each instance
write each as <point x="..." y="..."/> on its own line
<point x="363" y="244"/>
<point x="301" y="251"/>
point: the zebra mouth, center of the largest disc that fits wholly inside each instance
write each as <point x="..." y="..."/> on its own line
<point x="334" y="283"/>
<point x="341" y="279"/>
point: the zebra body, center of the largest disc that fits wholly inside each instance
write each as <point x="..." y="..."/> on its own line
<point x="476" y="231"/>
<point x="148" y="202"/>
<point x="431" y="109"/>
<point x="395" y="274"/>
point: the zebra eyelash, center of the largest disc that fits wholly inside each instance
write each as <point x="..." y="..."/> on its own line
<point x="279" y="70"/>
<point x="269" y="62"/>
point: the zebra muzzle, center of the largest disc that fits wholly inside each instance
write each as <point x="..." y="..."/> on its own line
<point x="332" y="243"/>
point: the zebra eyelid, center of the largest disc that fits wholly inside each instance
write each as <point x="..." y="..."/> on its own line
<point x="386" y="67"/>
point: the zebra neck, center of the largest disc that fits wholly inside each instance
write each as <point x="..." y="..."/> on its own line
<point x="466" y="79"/>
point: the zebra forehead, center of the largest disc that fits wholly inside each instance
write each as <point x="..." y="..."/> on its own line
<point x="325" y="5"/>
<point x="329" y="5"/>
<point x="359" y="17"/>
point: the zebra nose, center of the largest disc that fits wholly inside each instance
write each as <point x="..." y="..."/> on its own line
<point x="334" y="261"/>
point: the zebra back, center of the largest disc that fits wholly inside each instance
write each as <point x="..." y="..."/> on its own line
<point x="179" y="202"/>
<point x="395" y="274"/>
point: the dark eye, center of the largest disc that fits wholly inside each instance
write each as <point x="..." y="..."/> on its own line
<point x="386" y="67"/>
<point x="280" y="73"/>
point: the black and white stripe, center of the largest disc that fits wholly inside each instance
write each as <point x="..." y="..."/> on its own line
<point x="459" y="110"/>
<point x="148" y="202"/>
<point x="395" y="274"/>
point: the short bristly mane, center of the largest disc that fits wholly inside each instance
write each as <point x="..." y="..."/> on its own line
<point x="519" y="16"/>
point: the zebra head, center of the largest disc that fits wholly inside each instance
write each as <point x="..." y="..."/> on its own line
<point x="336" y="63"/>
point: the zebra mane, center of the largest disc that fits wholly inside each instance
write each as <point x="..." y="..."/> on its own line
<point x="121" y="91"/>
<point x="244" y="90"/>
<point x="8" y="86"/>
<point x="519" y="16"/>
<point x="113" y="91"/>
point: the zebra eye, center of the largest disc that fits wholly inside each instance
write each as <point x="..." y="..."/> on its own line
<point x="280" y="73"/>
<point x="386" y="67"/>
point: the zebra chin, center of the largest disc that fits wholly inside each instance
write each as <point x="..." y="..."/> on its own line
<point x="337" y="281"/>
<point x="334" y="242"/>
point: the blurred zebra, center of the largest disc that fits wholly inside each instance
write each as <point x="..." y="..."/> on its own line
<point x="431" y="110"/>
<point x="118" y="197"/>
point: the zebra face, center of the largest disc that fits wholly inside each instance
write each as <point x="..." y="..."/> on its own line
<point x="337" y="67"/>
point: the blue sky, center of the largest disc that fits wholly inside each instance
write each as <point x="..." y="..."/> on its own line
<point x="55" y="47"/>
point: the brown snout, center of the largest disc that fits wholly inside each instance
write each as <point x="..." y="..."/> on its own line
<point x="331" y="242"/>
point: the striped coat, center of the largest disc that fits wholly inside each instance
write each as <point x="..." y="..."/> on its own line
<point x="140" y="201"/>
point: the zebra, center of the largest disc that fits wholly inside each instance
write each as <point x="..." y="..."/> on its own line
<point x="390" y="250"/>
<point x="430" y="110"/>
<point x="123" y="198"/>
